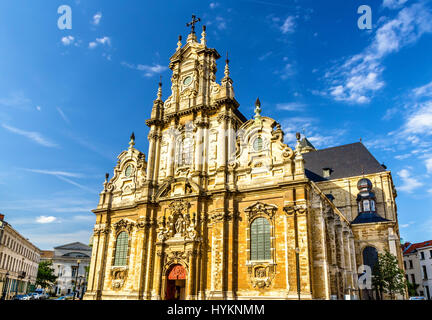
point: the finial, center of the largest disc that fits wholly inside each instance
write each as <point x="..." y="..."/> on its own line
<point x="106" y="176"/>
<point x="159" y="93"/>
<point x="257" y="109"/>
<point x="132" y="140"/>
<point x="361" y="140"/>
<point x="298" y="136"/>
<point x="227" y="71"/>
<point x="179" y="44"/>
<point x="203" y="36"/>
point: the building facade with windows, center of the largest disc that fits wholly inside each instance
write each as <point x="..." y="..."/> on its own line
<point x="19" y="261"/>
<point x="70" y="263"/>
<point x="418" y="266"/>
<point x="223" y="208"/>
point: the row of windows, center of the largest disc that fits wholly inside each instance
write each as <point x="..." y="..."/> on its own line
<point x="422" y="255"/>
<point x="260" y="244"/>
<point x="15" y="265"/>
<point x="19" y="248"/>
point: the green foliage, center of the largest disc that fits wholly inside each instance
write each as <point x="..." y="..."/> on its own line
<point x="45" y="277"/>
<point x="412" y="289"/>
<point x="387" y="276"/>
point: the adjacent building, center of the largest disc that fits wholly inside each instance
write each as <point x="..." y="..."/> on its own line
<point x="222" y="208"/>
<point x="70" y="263"/>
<point x="19" y="261"/>
<point x="418" y="266"/>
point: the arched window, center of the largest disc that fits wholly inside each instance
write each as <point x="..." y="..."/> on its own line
<point x="258" y="144"/>
<point x="370" y="256"/>
<point x="121" y="249"/>
<point x="260" y="240"/>
<point x="184" y="153"/>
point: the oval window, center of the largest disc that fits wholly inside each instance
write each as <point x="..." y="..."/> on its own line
<point x="187" y="81"/>
<point x="258" y="144"/>
<point x="128" y="171"/>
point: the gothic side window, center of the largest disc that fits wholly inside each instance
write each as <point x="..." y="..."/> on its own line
<point x="121" y="249"/>
<point x="260" y="240"/>
<point x="366" y="205"/>
<point x="370" y="256"/>
<point x="128" y="170"/>
<point x="184" y="153"/>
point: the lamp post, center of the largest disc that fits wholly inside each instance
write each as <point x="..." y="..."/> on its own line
<point x="76" y="278"/>
<point x="5" y="288"/>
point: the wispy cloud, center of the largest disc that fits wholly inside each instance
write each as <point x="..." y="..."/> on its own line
<point x="32" y="135"/>
<point x="410" y="183"/>
<point x="16" y="99"/>
<point x="359" y="77"/>
<point x="62" y="114"/>
<point x="290" y="106"/>
<point x="97" y="18"/>
<point x="148" y="70"/>
<point x="56" y="173"/>
<point x="288" y="25"/>
<point x="393" y="4"/>
<point x="214" y="5"/>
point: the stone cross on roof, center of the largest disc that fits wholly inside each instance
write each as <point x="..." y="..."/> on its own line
<point x="192" y="23"/>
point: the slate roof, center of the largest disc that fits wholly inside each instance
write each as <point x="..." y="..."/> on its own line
<point x="344" y="161"/>
<point x="368" y="218"/>
<point x="409" y="248"/>
<point x="74" y="246"/>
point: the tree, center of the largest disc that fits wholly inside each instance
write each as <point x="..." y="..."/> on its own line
<point x="412" y="289"/>
<point x="387" y="276"/>
<point x="45" y="276"/>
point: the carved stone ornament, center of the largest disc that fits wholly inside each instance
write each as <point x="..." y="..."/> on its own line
<point x="124" y="224"/>
<point x="261" y="275"/>
<point x="100" y="228"/>
<point x="260" y="208"/>
<point x="299" y="209"/>
<point x="179" y="224"/>
<point x="175" y="257"/>
<point x="118" y="276"/>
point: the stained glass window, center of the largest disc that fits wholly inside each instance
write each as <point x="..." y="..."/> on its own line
<point x="185" y="149"/>
<point x="258" y="144"/>
<point x="260" y="239"/>
<point x="121" y="249"/>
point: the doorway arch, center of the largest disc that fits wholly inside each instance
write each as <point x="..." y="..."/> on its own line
<point x="175" y="283"/>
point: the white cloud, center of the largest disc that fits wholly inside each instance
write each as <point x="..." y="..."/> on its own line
<point x="16" y="99"/>
<point x="424" y="91"/>
<point x="393" y="4"/>
<point x="428" y="163"/>
<point x="45" y="219"/>
<point x="221" y="23"/>
<point x="288" y="25"/>
<point x="290" y="106"/>
<point x="409" y="182"/>
<point x="102" y="41"/>
<point x="32" y="135"/>
<point x="265" y="56"/>
<point x="147" y="69"/>
<point x="286" y="71"/>
<point x="420" y="121"/>
<point x="38" y="108"/>
<point x="96" y="18"/>
<point x="67" y="40"/>
<point x="214" y="5"/>
<point x="359" y="77"/>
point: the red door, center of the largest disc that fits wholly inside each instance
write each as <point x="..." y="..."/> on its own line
<point x="176" y="272"/>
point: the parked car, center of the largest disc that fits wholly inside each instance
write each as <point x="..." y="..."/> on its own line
<point x="61" y="298"/>
<point x="417" y="298"/>
<point x="21" y="297"/>
<point x="34" y="296"/>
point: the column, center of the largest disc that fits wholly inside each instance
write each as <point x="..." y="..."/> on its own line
<point x="171" y="157"/>
<point x="221" y="146"/>
<point x="151" y="155"/>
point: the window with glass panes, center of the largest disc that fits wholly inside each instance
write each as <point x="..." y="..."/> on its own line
<point x="260" y="240"/>
<point x="121" y="249"/>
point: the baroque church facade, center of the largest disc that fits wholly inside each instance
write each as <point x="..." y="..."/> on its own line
<point x="222" y="208"/>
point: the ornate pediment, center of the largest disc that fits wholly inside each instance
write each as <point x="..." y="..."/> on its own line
<point x="124" y="224"/>
<point x="260" y="209"/>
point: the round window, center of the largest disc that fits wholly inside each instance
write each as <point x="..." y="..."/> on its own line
<point x="187" y="81"/>
<point x="258" y="144"/>
<point x="128" y="170"/>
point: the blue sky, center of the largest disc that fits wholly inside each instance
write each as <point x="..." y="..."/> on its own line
<point x="69" y="99"/>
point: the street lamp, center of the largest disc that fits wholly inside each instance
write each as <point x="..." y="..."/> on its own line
<point x="297" y="250"/>
<point x="76" y="278"/>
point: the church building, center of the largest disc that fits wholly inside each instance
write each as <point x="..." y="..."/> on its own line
<point x="221" y="208"/>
